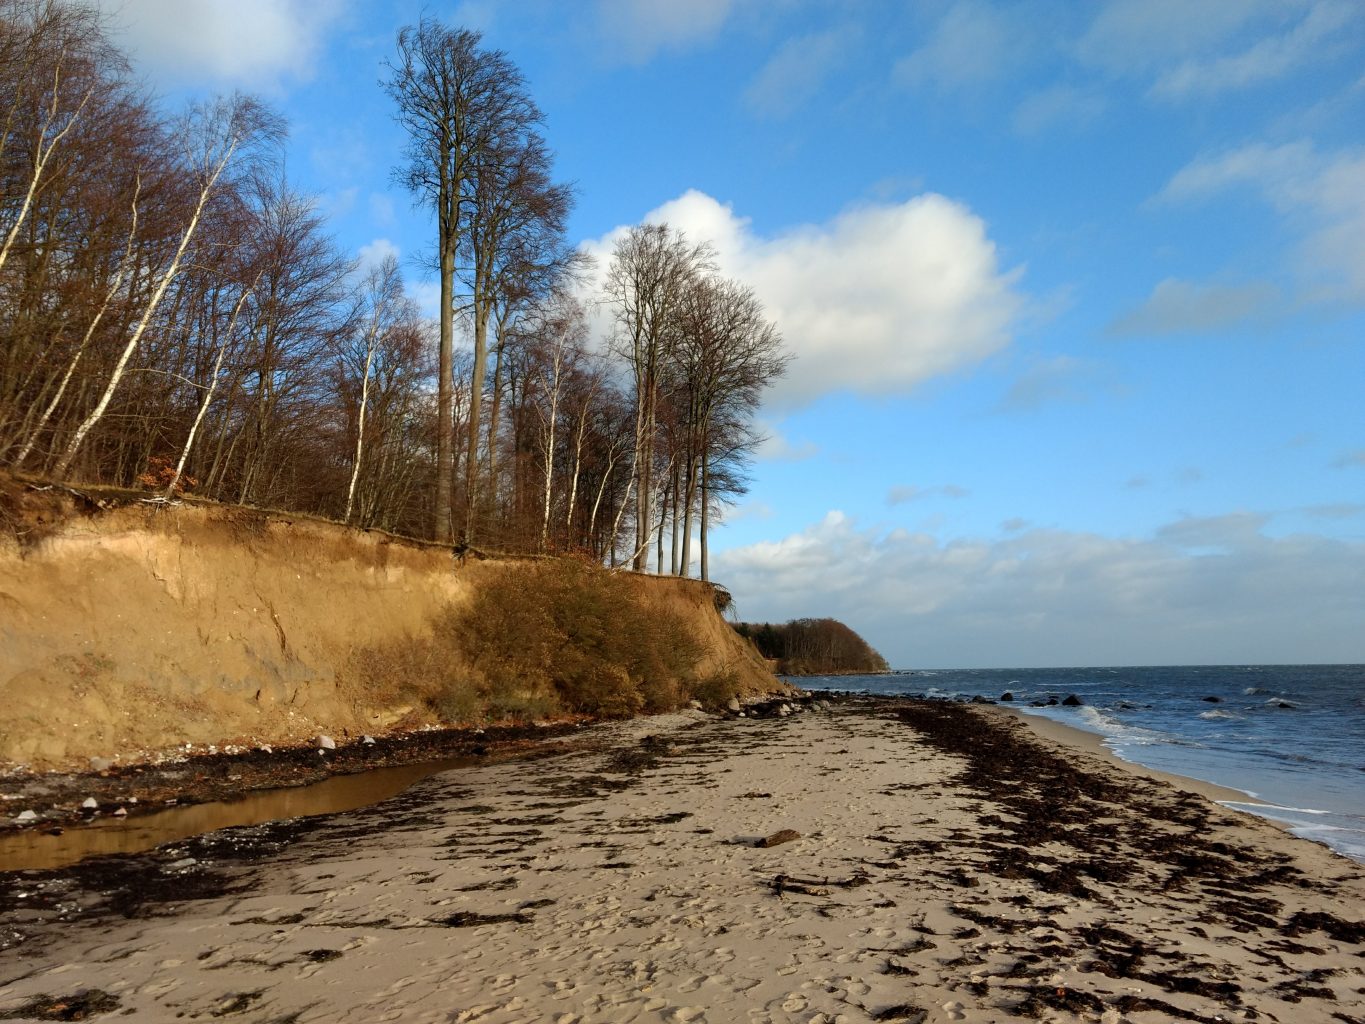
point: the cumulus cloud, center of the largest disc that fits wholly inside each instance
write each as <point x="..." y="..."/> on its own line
<point x="246" y="42"/>
<point x="874" y="302"/>
<point x="972" y="45"/>
<point x="797" y="70"/>
<point x="642" y="28"/>
<point x="1178" y="307"/>
<point x="1321" y="194"/>
<point x="1208" y="590"/>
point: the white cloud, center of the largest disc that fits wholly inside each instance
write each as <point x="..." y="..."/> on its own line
<point x="1199" y="591"/>
<point x="642" y="28"/>
<point x="777" y="447"/>
<point x="373" y="253"/>
<point x="1269" y="58"/>
<point x="1057" y="106"/>
<point x="797" y="70"/>
<point x="1223" y="46"/>
<point x="254" y="43"/>
<point x="973" y="44"/>
<point x="1322" y="194"/>
<point x="876" y="301"/>
<point x="1176" y="307"/>
<point x="1138" y="35"/>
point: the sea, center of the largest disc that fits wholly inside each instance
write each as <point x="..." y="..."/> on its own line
<point x="1291" y="737"/>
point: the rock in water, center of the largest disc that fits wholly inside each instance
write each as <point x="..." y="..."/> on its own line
<point x="26" y="816"/>
<point x="327" y="743"/>
<point x="90" y="804"/>
<point x="778" y="838"/>
<point x="1213" y="700"/>
<point x="1072" y="701"/>
<point x="1007" y="695"/>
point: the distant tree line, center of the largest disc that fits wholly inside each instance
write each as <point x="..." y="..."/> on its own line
<point x="175" y="316"/>
<point x="813" y="647"/>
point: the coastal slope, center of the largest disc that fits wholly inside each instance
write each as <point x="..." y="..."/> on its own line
<point x="135" y="628"/>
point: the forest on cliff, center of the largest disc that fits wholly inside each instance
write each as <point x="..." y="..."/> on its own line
<point x="813" y="647"/>
<point x="176" y="317"/>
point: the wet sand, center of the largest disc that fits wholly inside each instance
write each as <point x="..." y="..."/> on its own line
<point x="947" y="863"/>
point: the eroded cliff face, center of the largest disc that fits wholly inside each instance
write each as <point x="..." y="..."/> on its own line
<point x="131" y="631"/>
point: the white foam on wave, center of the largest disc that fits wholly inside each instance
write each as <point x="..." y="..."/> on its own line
<point x="1281" y="702"/>
<point x="1117" y="732"/>
<point x="1262" y="808"/>
<point x="1214" y="715"/>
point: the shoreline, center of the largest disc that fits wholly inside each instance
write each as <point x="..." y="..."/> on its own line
<point x="1093" y="743"/>
<point x="863" y="860"/>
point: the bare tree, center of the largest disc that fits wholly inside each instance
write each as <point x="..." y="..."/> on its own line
<point x="728" y="353"/>
<point x="459" y="103"/>
<point x="649" y="273"/>
<point x="383" y="299"/>
<point x="222" y="129"/>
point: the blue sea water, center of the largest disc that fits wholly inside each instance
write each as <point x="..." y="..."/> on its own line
<point x="1292" y="737"/>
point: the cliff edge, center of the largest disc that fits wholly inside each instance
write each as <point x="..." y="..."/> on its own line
<point x="128" y="629"/>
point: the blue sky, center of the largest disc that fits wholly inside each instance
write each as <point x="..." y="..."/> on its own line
<point x="1076" y="291"/>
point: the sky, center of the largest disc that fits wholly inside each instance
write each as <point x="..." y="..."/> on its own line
<point x="1075" y="291"/>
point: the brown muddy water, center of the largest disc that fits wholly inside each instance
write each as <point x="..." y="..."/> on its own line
<point x="38" y="848"/>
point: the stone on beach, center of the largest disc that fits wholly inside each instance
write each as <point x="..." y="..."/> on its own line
<point x="326" y="743"/>
<point x="785" y="835"/>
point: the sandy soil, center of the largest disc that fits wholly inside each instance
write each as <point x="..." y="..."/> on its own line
<point x="948" y="864"/>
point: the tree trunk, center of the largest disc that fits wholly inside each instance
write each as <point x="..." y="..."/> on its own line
<point x="208" y="395"/>
<point x="171" y="271"/>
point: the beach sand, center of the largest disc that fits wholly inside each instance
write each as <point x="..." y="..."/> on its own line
<point x="949" y="864"/>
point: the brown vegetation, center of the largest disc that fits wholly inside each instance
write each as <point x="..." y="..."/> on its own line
<point x="130" y="628"/>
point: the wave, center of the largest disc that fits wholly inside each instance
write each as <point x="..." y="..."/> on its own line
<point x="1252" y="691"/>
<point x="1281" y="702"/>
<point x="1214" y="715"/>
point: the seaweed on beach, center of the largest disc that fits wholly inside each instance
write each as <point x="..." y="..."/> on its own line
<point x="79" y="1006"/>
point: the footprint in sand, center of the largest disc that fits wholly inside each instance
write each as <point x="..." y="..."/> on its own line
<point x="795" y="1002"/>
<point x="684" y="1014"/>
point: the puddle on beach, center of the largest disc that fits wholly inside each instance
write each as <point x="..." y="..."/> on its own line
<point x="35" y="848"/>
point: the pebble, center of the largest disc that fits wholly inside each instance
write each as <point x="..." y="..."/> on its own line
<point x="367" y="740"/>
<point x="327" y="743"/>
<point x="26" y="816"/>
<point x="122" y="812"/>
<point x="90" y="803"/>
<point x="100" y="764"/>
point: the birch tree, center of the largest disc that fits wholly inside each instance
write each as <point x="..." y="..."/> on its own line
<point x="221" y="129"/>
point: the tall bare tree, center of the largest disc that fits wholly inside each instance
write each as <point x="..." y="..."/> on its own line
<point x="459" y="103"/>
<point x="650" y="271"/>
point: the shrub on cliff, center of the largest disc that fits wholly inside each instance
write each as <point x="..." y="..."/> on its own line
<point x="571" y="629"/>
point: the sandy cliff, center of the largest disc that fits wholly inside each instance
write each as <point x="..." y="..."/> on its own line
<point x="133" y="629"/>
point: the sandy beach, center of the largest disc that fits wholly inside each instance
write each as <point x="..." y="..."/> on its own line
<point x="927" y="862"/>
